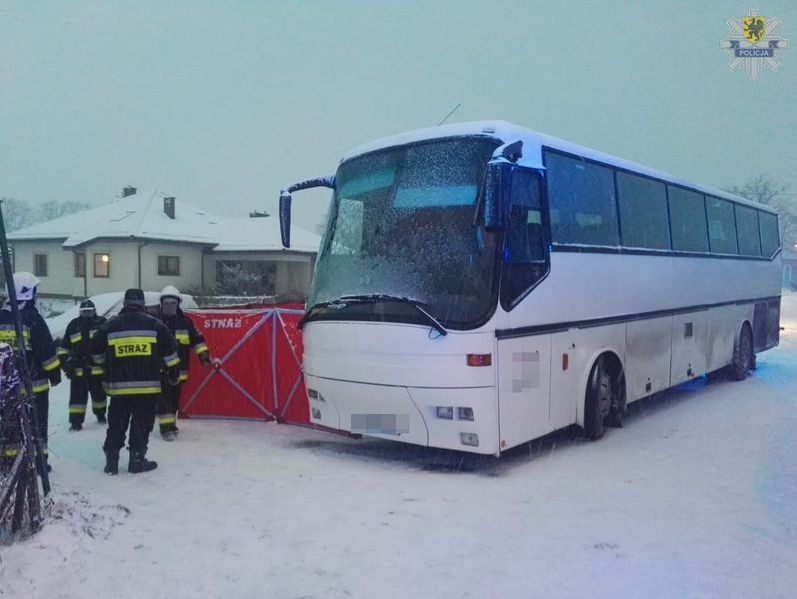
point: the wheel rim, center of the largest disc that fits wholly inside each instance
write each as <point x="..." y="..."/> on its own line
<point x="604" y="392"/>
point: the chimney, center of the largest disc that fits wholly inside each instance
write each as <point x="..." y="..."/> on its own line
<point x="168" y="206"/>
<point x="128" y="191"/>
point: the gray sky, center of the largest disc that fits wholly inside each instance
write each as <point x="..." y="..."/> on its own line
<point x="223" y="103"/>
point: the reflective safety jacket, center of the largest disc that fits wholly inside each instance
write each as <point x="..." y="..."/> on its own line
<point x="40" y="351"/>
<point x="134" y="349"/>
<point x="75" y="348"/>
<point x="187" y="336"/>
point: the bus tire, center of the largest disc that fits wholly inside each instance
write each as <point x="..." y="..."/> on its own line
<point x="597" y="401"/>
<point x="618" y="401"/>
<point x="743" y="355"/>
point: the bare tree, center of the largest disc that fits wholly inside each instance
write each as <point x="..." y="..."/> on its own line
<point x="53" y="209"/>
<point x="17" y="214"/>
<point x="765" y="190"/>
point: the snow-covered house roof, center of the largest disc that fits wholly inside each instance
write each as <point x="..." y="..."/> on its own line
<point x="141" y="215"/>
<point x="261" y="234"/>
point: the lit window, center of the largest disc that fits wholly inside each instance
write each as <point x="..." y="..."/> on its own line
<point x="102" y="266"/>
<point x="168" y="266"/>
<point x="40" y="265"/>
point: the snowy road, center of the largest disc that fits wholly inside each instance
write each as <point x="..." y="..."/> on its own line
<point x="695" y="497"/>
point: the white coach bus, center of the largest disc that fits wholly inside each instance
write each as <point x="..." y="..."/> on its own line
<point x="480" y="285"/>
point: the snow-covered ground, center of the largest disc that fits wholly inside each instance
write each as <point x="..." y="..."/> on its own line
<point x="695" y="497"/>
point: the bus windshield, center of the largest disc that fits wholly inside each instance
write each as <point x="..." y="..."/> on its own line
<point x="401" y="224"/>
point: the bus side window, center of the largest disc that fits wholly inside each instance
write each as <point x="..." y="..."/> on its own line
<point x="524" y="253"/>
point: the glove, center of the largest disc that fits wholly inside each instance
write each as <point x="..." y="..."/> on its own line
<point x="69" y="368"/>
<point x="173" y="376"/>
<point x="204" y="358"/>
<point x="55" y="377"/>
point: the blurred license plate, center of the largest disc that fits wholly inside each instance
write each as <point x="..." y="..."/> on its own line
<point x="383" y="424"/>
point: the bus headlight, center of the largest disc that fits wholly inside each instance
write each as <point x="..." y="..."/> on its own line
<point x="446" y="412"/>
<point x="465" y="413"/>
<point x="316" y="413"/>
<point x="471" y="439"/>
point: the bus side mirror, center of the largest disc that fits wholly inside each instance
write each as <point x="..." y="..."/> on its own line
<point x="285" y="203"/>
<point x="497" y="194"/>
<point x="285" y="219"/>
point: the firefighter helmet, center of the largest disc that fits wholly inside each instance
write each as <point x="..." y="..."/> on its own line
<point x="25" y="285"/>
<point x="171" y="291"/>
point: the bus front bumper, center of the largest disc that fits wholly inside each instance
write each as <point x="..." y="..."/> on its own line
<point x="463" y="419"/>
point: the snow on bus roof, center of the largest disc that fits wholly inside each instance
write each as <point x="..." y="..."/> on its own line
<point x="509" y="132"/>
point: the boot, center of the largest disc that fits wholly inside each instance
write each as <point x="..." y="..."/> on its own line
<point x="111" y="464"/>
<point x="138" y="463"/>
<point x="101" y="419"/>
<point x="75" y="426"/>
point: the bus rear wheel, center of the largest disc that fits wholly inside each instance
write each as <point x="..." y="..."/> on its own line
<point x="743" y="355"/>
<point x="604" y="403"/>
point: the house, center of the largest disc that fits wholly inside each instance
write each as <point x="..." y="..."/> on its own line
<point x="149" y="240"/>
<point x="254" y="245"/>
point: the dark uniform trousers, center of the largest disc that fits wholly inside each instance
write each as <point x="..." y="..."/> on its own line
<point x="41" y="402"/>
<point x="168" y="404"/>
<point x="137" y="411"/>
<point x="187" y="336"/>
<point x="81" y="388"/>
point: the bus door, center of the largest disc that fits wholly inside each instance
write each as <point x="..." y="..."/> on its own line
<point x="523" y="360"/>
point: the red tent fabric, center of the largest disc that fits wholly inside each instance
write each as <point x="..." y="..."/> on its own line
<point x="260" y="375"/>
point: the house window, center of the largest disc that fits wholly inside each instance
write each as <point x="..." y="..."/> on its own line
<point x="40" y="265"/>
<point x="169" y="266"/>
<point x="80" y="265"/>
<point x="102" y="266"/>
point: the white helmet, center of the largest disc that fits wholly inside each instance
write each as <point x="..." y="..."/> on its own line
<point x="25" y="285"/>
<point x="171" y="291"/>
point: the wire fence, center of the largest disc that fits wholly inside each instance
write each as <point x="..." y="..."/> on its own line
<point x="20" y="500"/>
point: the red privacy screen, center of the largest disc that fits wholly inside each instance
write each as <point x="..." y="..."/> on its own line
<point x="260" y="375"/>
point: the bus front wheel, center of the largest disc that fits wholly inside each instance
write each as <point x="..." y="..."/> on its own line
<point x="604" y="402"/>
<point x="743" y="355"/>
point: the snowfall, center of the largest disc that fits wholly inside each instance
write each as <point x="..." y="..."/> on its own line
<point x="695" y="497"/>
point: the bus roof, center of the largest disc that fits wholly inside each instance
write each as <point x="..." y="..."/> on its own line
<point x="508" y="132"/>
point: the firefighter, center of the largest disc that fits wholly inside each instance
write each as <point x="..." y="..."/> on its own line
<point x="40" y="351"/>
<point x="134" y="348"/>
<point x="86" y="378"/>
<point x="186" y="336"/>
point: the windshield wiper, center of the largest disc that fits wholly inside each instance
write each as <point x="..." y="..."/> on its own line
<point x="383" y="297"/>
<point x="373" y="298"/>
